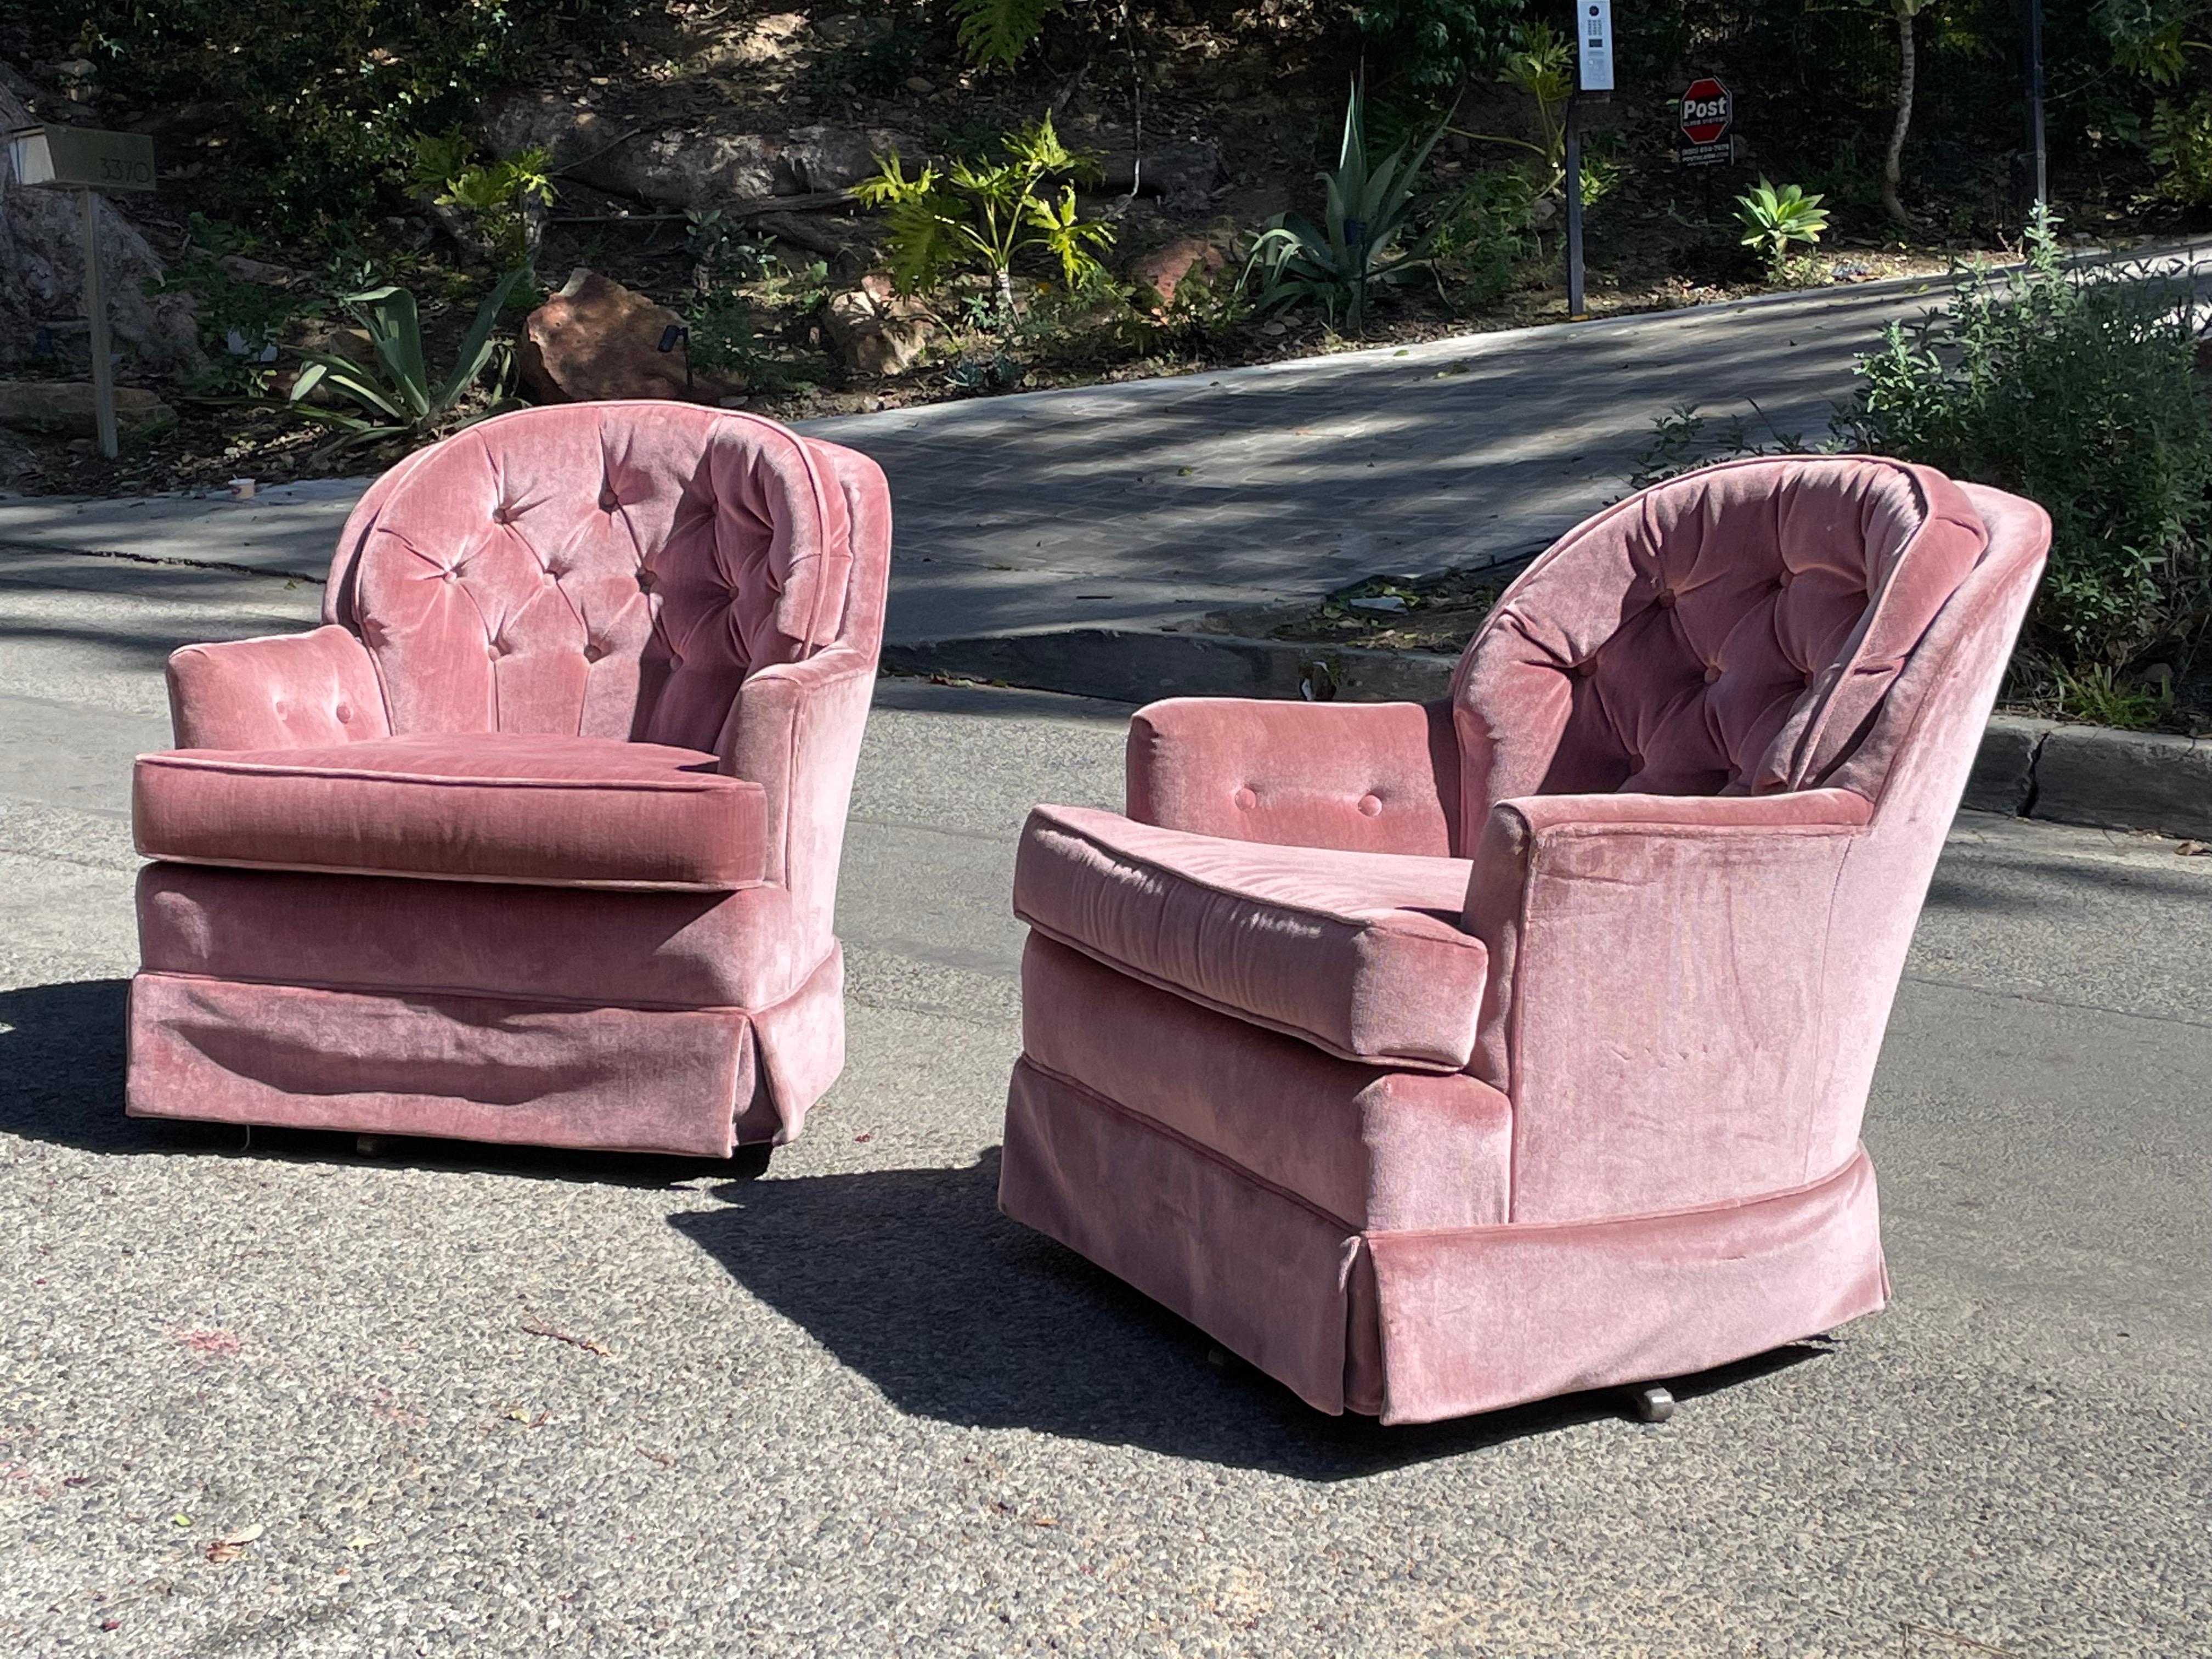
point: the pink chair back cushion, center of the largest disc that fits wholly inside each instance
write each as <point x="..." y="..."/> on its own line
<point x="1731" y="632"/>
<point x="609" y="570"/>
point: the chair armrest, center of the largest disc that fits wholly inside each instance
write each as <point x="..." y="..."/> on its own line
<point x="795" y="729"/>
<point x="289" y="691"/>
<point x="1375" y="777"/>
<point x="1673" y="984"/>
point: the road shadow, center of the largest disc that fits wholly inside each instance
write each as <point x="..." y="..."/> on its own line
<point x="61" y="1057"/>
<point x="912" y="1278"/>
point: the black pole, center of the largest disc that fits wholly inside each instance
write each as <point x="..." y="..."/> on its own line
<point x="2035" y="96"/>
<point x="1575" y="309"/>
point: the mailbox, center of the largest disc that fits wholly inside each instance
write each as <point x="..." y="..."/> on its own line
<point x="93" y="163"/>
<point x="78" y="158"/>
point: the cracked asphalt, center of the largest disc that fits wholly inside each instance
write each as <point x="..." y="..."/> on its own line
<point x="264" y="1395"/>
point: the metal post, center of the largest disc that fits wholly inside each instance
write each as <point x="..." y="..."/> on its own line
<point x="1575" y="307"/>
<point x="95" y="306"/>
<point x="2035" y="96"/>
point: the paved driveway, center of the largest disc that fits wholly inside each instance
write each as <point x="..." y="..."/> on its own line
<point x="481" y="1401"/>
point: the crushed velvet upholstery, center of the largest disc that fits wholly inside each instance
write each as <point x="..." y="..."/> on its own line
<point x="560" y="811"/>
<point x="537" y="838"/>
<point x="1686" y="796"/>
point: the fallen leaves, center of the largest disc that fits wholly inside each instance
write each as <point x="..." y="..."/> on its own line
<point x="538" y="1326"/>
<point x="2192" y="849"/>
<point x="232" y="1545"/>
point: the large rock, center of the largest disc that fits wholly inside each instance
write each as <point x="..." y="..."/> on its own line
<point x="1164" y="268"/>
<point x="596" y="340"/>
<point x="688" y="169"/>
<point x="42" y="270"/>
<point x="63" y="409"/>
<point x="876" y="329"/>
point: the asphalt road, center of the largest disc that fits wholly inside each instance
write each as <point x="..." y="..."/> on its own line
<point x="491" y="1401"/>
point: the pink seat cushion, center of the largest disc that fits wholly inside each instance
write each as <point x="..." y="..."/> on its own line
<point x="1360" y="954"/>
<point x="479" y="806"/>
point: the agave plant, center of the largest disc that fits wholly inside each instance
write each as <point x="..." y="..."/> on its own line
<point x="1776" y="220"/>
<point x="1357" y="248"/>
<point x="395" y="397"/>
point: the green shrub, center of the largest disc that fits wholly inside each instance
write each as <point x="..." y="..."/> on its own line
<point x="319" y="104"/>
<point x="496" y="212"/>
<point x="1434" y="44"/>
<point x="2181" y="148"/>
<point x="981" y="216"/>
<point x="1482" y="235"/>
<point x="2077" y="389"/>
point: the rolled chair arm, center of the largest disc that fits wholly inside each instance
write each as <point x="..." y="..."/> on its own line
<point x="289" y="691"/>
<point x="795" y="729"/>
<point x="1375" y="777"/>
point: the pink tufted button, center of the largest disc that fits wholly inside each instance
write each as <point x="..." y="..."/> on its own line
<point x="1665" y="599"/>
<point x="449" y="576"/>
<point x="344" y="714"/>
<point x="491" y="652"/>
<point x="548" y="581"/>
<point x="1586" y="667"/>
<point x="1787" y="577"/>
<point x="1245" y="800"/>
<point x="592" y="653"/>
<point x="1810" y="676"/>
<point x="1712" y="673"/>
<point x="1370" y="806"/>
<point x="608" y="500"/>
<point x="500" y="515"/>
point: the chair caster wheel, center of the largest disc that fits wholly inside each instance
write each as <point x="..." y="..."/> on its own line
<point x="1654" y="1404"/>
<point x="750" y="1162"/>
<point x="372" y="1145"/>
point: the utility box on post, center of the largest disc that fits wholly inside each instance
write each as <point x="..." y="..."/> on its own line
<point x="89" y="162"/>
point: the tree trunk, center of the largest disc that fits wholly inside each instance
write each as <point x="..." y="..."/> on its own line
<point x="1891" y="167"/>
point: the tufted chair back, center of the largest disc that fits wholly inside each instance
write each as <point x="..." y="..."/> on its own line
<point x="1731" y="632"/>
<point x="611" y="570"/>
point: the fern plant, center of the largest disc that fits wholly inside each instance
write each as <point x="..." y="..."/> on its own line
<point x="1356" y="248"/>
<point x="982" y="216"/>
<point x="1000" y="31"/>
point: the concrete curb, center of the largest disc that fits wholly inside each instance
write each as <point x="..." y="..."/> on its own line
<point x="2084" y="774"/>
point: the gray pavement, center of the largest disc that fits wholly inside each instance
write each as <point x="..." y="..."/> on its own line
<point x="847" y="1410"/>
<point x="1151" y="503"/>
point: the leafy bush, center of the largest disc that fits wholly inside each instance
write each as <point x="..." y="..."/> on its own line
<point x="982" y="216"/>
<point x="2077" y="389"/>
<point x="1434" y="44"/>
<point x="1777" y="221"/>
<point x="396" y="396"/>
<point x="1000" y="31"/>
<point x="497" y="212"/>
<point x="320" y="103"/>
<point x="1356" y="249"/>
<point x="1482" y="235"/>
<point x="2181" y="148"/>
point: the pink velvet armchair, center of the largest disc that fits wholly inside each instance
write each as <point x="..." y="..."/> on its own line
<point x="1439" y="1059"/>
<point x="537" y="838"/>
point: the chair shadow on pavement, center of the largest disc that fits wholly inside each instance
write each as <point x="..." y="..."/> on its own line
<point x="913" y="1279"/>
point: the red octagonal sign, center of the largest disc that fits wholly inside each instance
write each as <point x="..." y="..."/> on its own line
<point x="1707" y="109"/>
